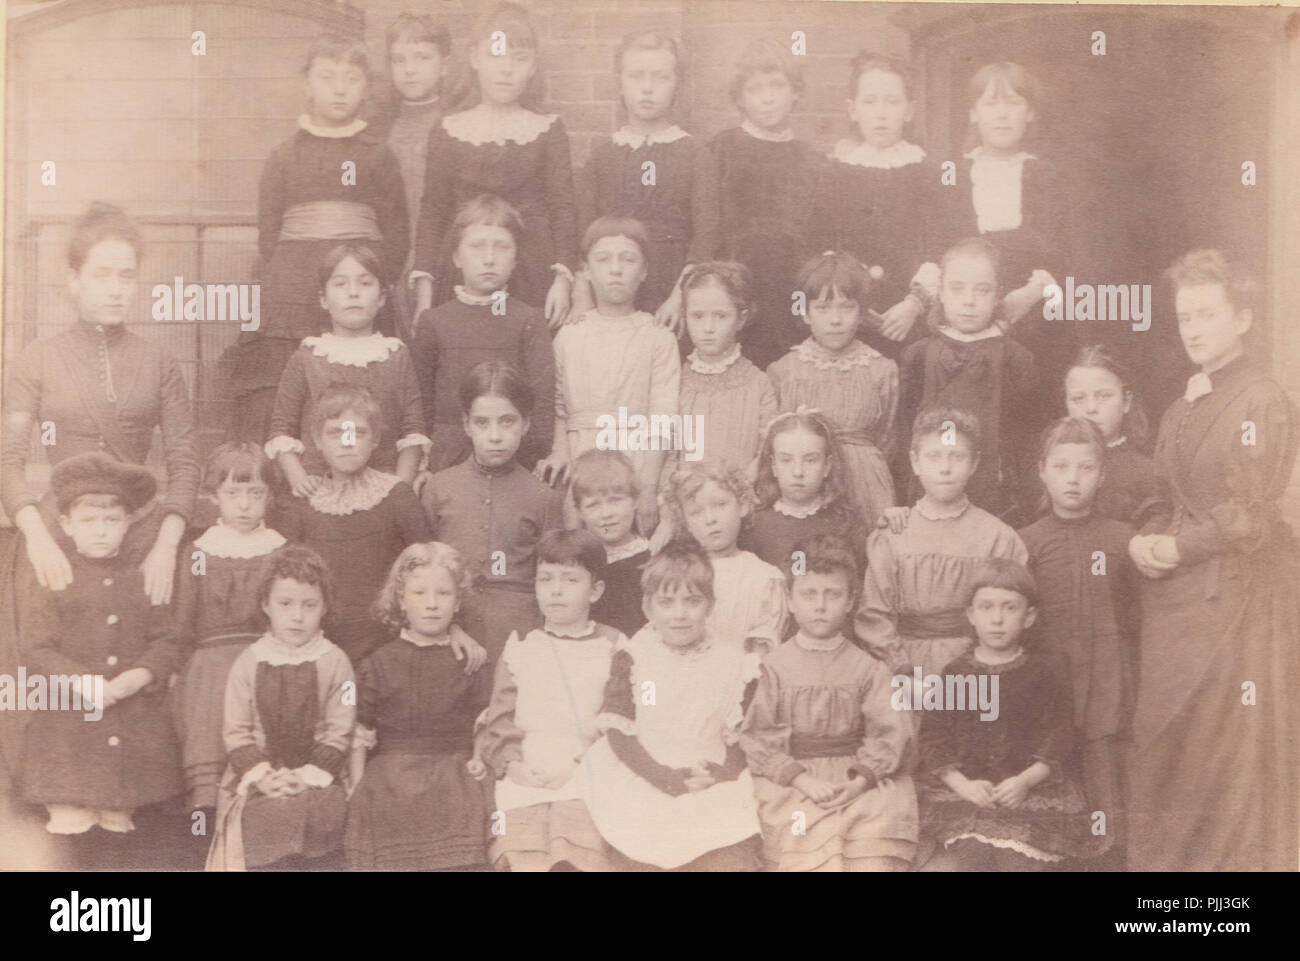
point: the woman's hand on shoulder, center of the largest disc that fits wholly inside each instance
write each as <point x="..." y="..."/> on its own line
<point x="468" y="650"/>
<point x="552" y="470"/>
<point x="52" y="567"/>
<point x="669" y="313"/>
<point x="558" y="301"/>
<point x="894" y="518"/>
<point x="901" y="318"/>
<point x="159" y="569"/>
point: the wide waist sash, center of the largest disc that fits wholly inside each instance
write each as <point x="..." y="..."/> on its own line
<point x="330" y="220"/>
<point x="807" y="746"/>
<point x="938" y="624"/>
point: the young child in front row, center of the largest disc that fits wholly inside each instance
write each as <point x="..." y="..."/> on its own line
<point x="1099" y="388"/>
<point x="615" y="358"/>
<point x="822" y="738"/>
<point x="94" y="765"/>
<point x="1088" y="616"/>
<point x="1000" y="799"/>
<point x="854" y="386"/>
<point x="919" y="575"/>
<point x="678" y="204"/>
<point x="603" y="486"/>
<point x="358" y="519"/>
<point x="482" y="322"/>
<point x="550" y="683"/>
<point x="415" y="805"/>
<point x="492" y="510"/>
<point x="969" y="364"/>
<point x="288" y="726"/>
<point x="672" y="791"/>
<point x="216" y="607"/>
<point x="800" y="491"/>
<point x="352" y="290"/>
<point x="709" y="503"/>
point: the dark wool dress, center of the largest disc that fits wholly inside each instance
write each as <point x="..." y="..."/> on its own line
<point x="1033" y="724"/>
<point x="764" y="205"/>
<point x="416" y="807"/>
<point x="679" y="209"/>
<point x="102" y="623"/>
<point x="1212" y="772"/>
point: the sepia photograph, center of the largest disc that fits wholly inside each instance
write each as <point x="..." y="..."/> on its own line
<point x="650" y="436"/>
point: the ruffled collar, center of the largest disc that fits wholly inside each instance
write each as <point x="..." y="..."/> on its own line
<point x="221" y="540"/>
<point x="276" y="652"/>
<point x="352" y="351"/>
<point x="586" y="631"/>
<point x="1117" y="442"/>
<point x="952" y="333"/>
<point x="863" y="154"/>
<point x="718" y="367"/>
<point x="758" y="133"/>
<point x="411" y="637"/>
<point x="950" y="515"/>
<point x="360" y="492"/>
<point x="633" y="547"/>
<point x="334" y="133"/>
<point x="980" y="156"/>
<point x="471" y="299"/>
<point x="814" y="644"/>
<point x="798" y="513"/>
<point x="1000" y="666"/>
<point x="479" y="126"/>
<point x="856" y="355"/>
<point x="627" y="137"/>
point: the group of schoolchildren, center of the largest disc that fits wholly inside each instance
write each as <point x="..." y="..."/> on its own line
<point x="436" y="623"/>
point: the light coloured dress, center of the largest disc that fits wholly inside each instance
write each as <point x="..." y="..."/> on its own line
<point x="548" y="691"/>
<point x="606" y="363"/>
<point x="913" y="607"/>
<point x="857" y="391"/>
<point x="732" y="401"/>
<point x="695" y="717"/>
<point x="823" y="708"/>
<point x="749" y="602"/>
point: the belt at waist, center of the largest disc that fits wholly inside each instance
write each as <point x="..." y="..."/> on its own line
<point x="857" y="436"/>
<point x="938" y="624"/>
<point x="804" y="746"/>
<point x="330" y="220"/>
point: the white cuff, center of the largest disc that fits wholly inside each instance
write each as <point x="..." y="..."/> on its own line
<point x="282" y="444"/>
<point x="363" y="736"/>
<point x="254" y="774"/>
<point x="314" y="776"/>
<point x="607" y="721"/>
<point x="413" y="440"/>
<point x="563" y="271"/>
<point x="927" y="278"/>
<point x="416" y="275"/>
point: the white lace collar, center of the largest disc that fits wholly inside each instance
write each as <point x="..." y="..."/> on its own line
<point x="856" y="355"/>
<point x="863" y="154"/>
<point x="992" y="330"/>
<point x="1117" y="442"/>
<point x="347" y="130"/>
<point x="815" y="644"/>
<point x="479" y="126"/>
<point x="758" y="133"/>
<point x="359" y="492"/>
<point x="220" y="540"/>
<point x="633" y="547"/>
<point x="798" y="513"/>
<point x="418" y="640"/>
<point x="582" y="633"/>
<point x="276" y="652"/>
<point x="982" y="156"/>
<point x="471" y="299"/>
<point x="942" y="516"/>
<point x="718" y="367"/>
<point x="627" y="137"/>
<point x="352" y="351"/>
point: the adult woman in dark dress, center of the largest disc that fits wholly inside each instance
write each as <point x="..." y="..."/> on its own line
<point x="1212" y="766"/>
<point x="95" y="387"/>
